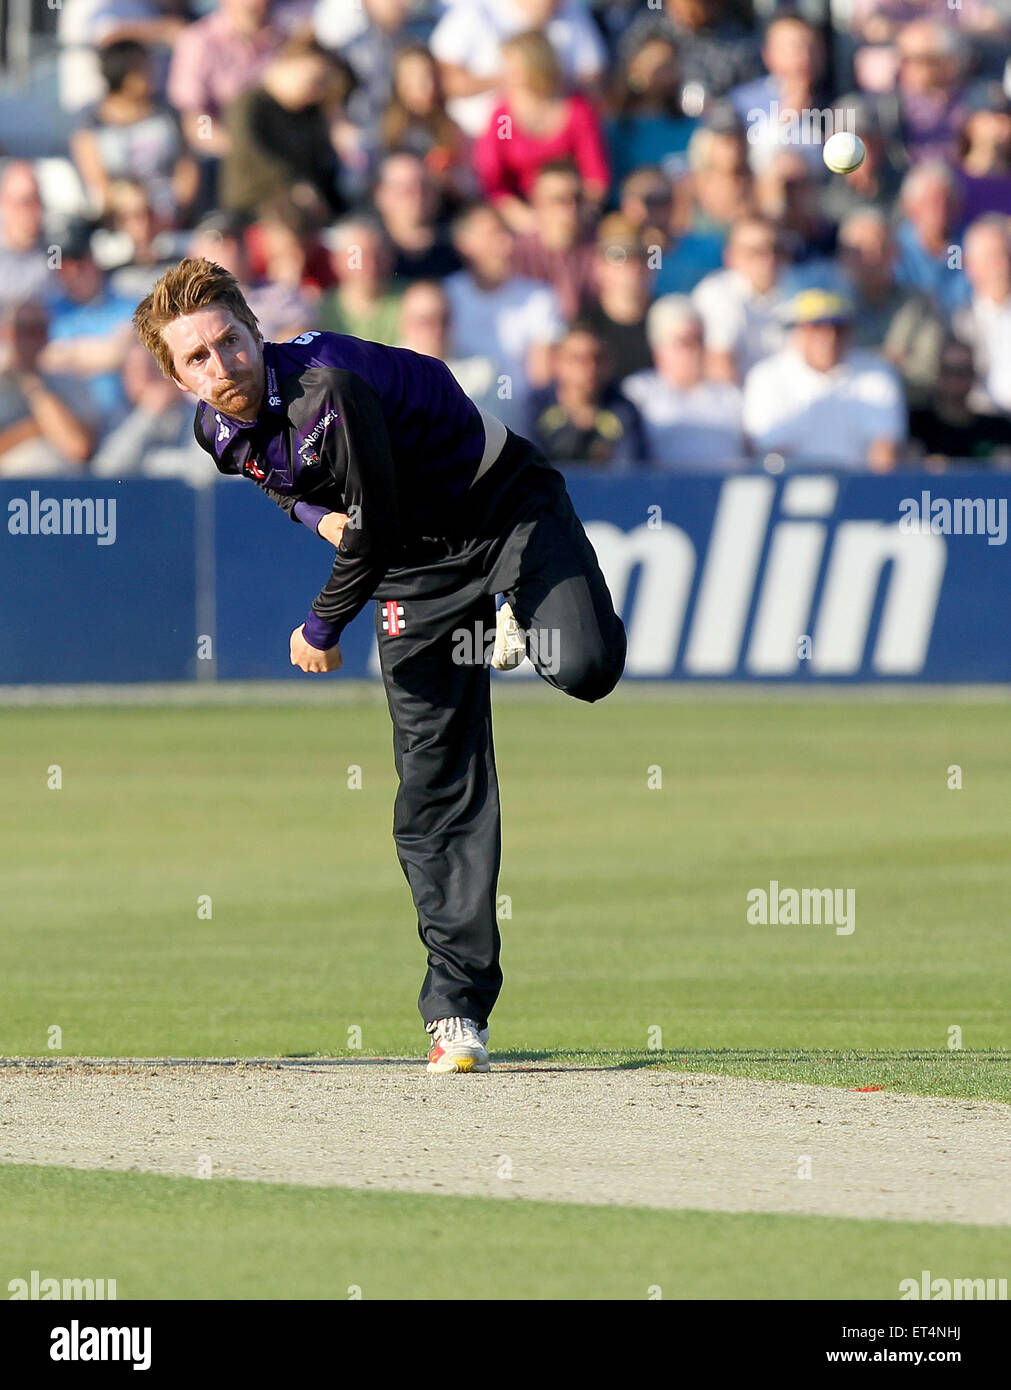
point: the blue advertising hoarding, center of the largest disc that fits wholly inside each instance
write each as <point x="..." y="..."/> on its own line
<point x="98" y="581"/>
<point x="803" y="577"/>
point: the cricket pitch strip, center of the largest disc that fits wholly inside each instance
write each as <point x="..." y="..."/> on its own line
<point x="646" y="1138"/>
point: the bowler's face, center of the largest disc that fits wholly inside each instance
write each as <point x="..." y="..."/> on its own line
<point x="218" y="359"/>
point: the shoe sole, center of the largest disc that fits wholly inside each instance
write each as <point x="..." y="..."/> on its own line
<point x="448" y="1065"/>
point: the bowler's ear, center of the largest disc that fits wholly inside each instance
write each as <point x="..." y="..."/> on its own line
<point x="184" y="389"/>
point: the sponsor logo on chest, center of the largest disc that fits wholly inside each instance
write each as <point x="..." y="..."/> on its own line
<point x="307" y="451"/>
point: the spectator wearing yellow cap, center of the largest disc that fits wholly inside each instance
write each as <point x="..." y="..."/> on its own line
<point x="819" y="400"/>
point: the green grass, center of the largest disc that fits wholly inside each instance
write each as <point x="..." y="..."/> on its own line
<point x="183" y="1238"/>
<point x="628" y="905"/>
<point x="979" y="1075"/>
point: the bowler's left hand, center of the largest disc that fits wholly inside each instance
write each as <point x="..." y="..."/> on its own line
<point x="311" y="658"/>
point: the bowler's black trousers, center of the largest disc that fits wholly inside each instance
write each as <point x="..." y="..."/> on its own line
<point x="516" y="534"/>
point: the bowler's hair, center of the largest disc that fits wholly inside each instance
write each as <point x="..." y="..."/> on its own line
<point x="193" y="284"/>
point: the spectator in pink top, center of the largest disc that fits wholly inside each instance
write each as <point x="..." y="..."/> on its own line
<point x="537" y="122"/>
<point x="215" y="60"/>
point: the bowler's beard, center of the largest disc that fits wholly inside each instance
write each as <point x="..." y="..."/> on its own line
<point x="242" y="398"/>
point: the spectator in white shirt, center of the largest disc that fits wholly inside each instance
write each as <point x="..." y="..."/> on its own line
<point x="820" y="401"/>
<point x="509" y="318"/>
<point x="741" y="305"/>
<point x="466" y="44"/>
<point x="985" y="322"/>
<point x="690" y="422"/>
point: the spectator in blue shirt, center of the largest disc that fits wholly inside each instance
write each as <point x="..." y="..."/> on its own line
<point x="648" y="125"/>
<point x="89" y="326"/>
<point x="927" y="236"/>
<point x="680" y="262"/>
<point x="794" y="55"/>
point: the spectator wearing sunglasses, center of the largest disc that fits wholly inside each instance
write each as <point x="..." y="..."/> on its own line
<point x="581" y="418"/>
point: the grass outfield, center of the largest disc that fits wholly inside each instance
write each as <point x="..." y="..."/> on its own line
<point x="628" y="905"/>
<point x="161" y="1237"/>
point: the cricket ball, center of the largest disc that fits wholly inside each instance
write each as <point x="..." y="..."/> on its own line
<point x="843" y="152"/>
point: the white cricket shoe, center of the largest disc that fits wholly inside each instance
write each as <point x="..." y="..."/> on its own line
<point x="458" y="1045"/>
<point x="510" y="642"/>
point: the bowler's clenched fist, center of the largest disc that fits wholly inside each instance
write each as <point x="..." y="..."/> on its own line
<point x="311" y="658"/>
<point x="331" y="527"/>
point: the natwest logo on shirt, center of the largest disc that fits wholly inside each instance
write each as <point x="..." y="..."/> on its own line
<point x="306" y="451"/>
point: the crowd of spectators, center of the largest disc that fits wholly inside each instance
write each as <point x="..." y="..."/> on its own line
<point x="612" y="220"/>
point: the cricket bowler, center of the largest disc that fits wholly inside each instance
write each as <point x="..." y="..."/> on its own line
<point x="434" y="508"/>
